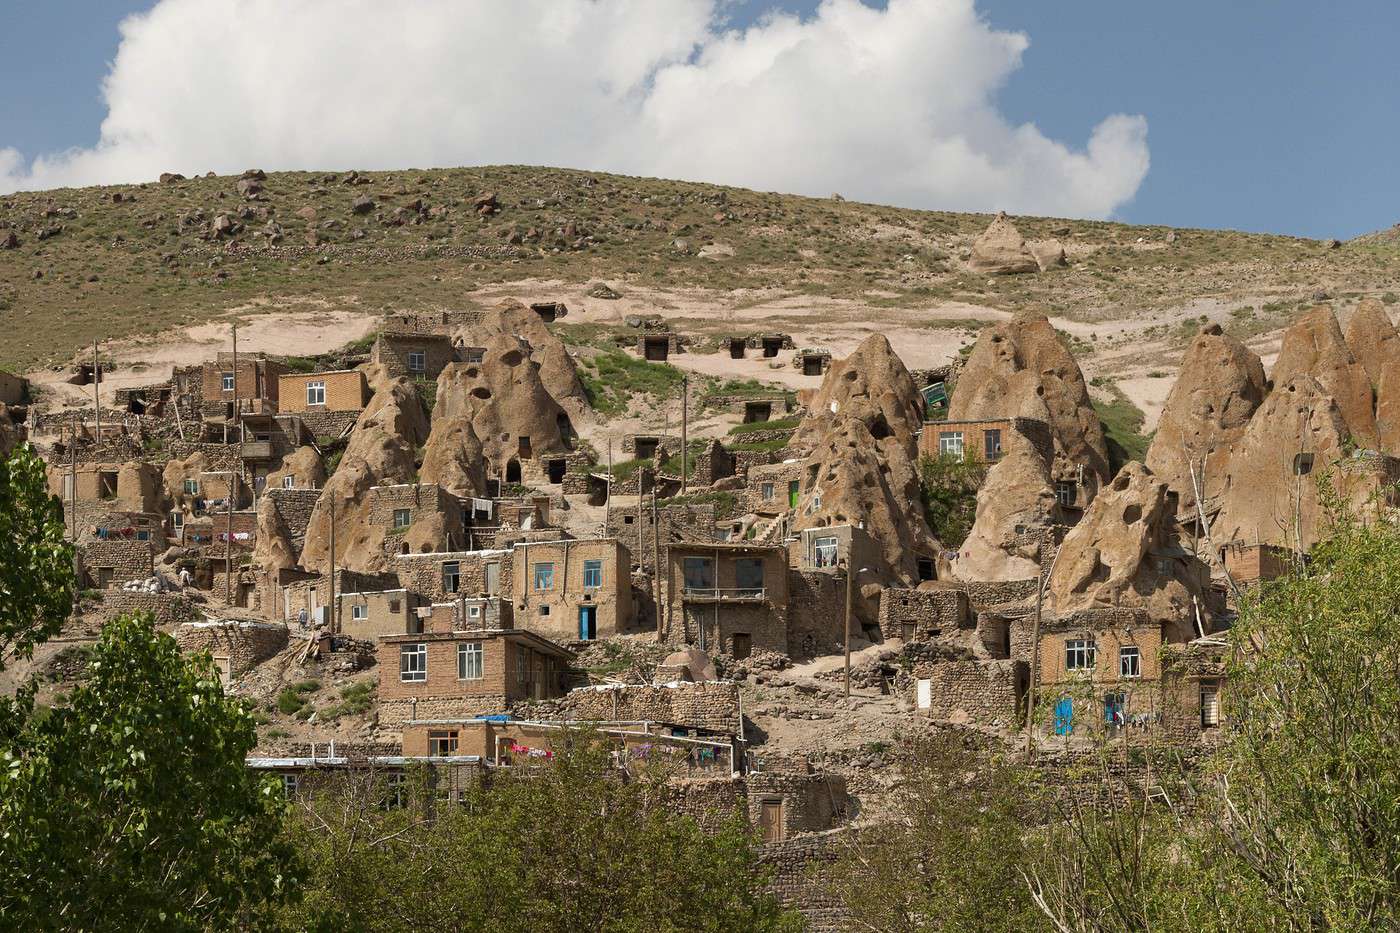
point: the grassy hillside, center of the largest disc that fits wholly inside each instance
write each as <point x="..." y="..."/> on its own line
<point x="114" y="261"/>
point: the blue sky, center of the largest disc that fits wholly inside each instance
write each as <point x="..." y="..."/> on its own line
<point x="1276" y="116"/>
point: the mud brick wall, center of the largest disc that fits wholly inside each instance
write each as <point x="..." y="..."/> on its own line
<point x="392" y="349"/>
<point x="713" y="705"/>
<point x="676" y="523"/>
<point x="918" y="615"/>
<point x="422" y="573"/>
<point x="245" y="644"/>
<point x="128" y="560"/>
<point x="796" y="867"/>
<point x="985" y="692"/>
<point x="393" y="713"/>
<point x="327" y="423"/>
<point x="816" y="614"/>
<point x="709" y="801"/>
<point x="993" y="594"/>
<point x="167" y="608"/>
<point x="293" y="508"/>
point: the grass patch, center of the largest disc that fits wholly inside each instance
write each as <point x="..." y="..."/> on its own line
<point x="612" y="380"/>
<point x="355" y="700"/>
<point x="725" y="502"/>
<point x="1122" y="428"/>
<point x="755" y="427"/>
<point x="294" y="700"/>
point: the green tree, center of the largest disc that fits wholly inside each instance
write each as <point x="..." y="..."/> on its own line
<point x="948" y="486"/>
<point x="132" y="807"/>
<point x="951" y="855"/>
<point x="568" y="846"/>
<point x="36" y="571"/>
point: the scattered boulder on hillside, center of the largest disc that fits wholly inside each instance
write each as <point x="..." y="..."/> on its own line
<point x="486" y="204"/>
<point x="248" y="187"/>
<point x="1271" y="486"/>
<point x="381" y="451"/>
<point x="169" y="178"/>
<point x="254" y="174"/>
<point x="1123" y="553"/>
<point x="307" y="213"/>
<point x="1220" y="386"/>
<point x="1001" y="250"/>
<point x="1313" y="345"/>
<point x="1017" y="499"/>
<point x="1049" y="255"/>
<point x="10" y="240"/>
<point x="363" y="204"/>
<point x="602" y="290"/>
<point x="1020" y="368"/>
<point x="1372" y="339"/>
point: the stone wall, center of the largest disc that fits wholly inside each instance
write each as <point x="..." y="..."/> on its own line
<point x="816" y="614"/>
<point x="919" y="615"/>
<point x="393" y="713"/>
<point x="166" y="608"/>
<point x="695" y="522"/>
<point x="796" y="867"/>
<point x="813" y="801"/>
<point x="711" y="705"/>
<point x="244" y="644"/>
<point x="985" y="692"/>
<point x="111" y="563"/>
<point x="422" y="573"/>
<point x="327" y="423"/>
<point x="293" y="508"/>
<point x="994" y="594"/>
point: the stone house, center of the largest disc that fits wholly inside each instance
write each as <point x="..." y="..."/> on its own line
<point x="1255" y="563"/>
<point x="447" y="575"/>
<point x="774" y="488"/>
<point x="255" y="378"/>
<point x="1194" y="684"/>
<point x="370" y="614"/>
<point x="924" y="614"/>
<point x="571" y="590"/>
<point x="831" y="547"/>
<point x="414" y="354"/>
<point x="728" y="598"/>
<point x="293" y="591"/>
<point x="107" y="563"/>
<point x="237" y="645"/>
<point x="442" y="673"/>
<point x="336" y="390"/>
<point x="400" y="507"/>
<point x="812" y="362"/>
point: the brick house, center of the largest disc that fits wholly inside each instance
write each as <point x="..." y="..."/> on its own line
<point x="984" y="441"/>
<point x="446" y="575"/>
<point x="368" y="615"/>
<point x="571" y="590"/>
<point x="337" y="390"/>
<point x="417" y="355"/>
<point x="1100" y="667"/>
<point x="444" y="673"/>
<point x="256" y="378"/>
<point x="1253" y="563"/>
<point x="728" y="598"/>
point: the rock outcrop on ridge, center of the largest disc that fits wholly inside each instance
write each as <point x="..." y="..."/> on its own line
<point x="1220" y="386"/>
<point x="1313" y="345"/>
<point x="1372" y="339"/>
<point x="1020" y="368"/>
<point x="381" y="452"/>
<point x="860" y="441"/>
<point x="1001" y="250"/>
<point x="1123" y="553"/>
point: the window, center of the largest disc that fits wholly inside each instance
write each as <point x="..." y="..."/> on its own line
<point x="177" y="520"/>
<point x="522" y="664"/>
<point x="767" y="491"/>
<point x="402" y="517"/>
<point x="544" y="609"/>
<point x="143" y="535"/>
<point x="289" y="786"/>
<point x="1080" y="654"/>
<point x="316" y="392"/>
<point x="824" y="551"/>
<point x="699" y="573"/>
<point x="289" y="482"/>
<point x="227" y="382"/>
<point x="1210" y="704"/>
<point x="1065" y="493"/>
<point x="394" y="791"/>
<point x="1129" y="662"/>
<point x="451" y="576"/>
<point x="544" y="575"/>
<point x="394" y="605"/>
<point x="416" y="361"/>
<point x="748" y="576"/>
<point x="359" y="612"/>
<point x="473" y="612"/>
<point x="1302" y="464"/>
<point x="991" y="441"/>
<point x="592" y="574"/>
<point x="413" y="663"/>
<point x="470" y="661"/>
<point x="191" y="487"/>
<point x="442" y="742"/>
<point x="950" y="444"/>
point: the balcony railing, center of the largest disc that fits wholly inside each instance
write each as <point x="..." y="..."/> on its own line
<point x="716" y="594"/>
<point x="257" y="450"/>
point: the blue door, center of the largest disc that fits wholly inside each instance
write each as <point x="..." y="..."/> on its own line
<point x="587" y="623"/>
<point x="1064" y="716"/>
<point x="1113" y="708"/>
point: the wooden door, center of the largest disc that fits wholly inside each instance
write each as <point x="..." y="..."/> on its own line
<point x="770" y="820"/>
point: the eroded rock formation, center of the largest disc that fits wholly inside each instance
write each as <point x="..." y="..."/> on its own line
<point x="1015" y="504"/>
<point x="1001" y="250"/>
<point x="1313" y="346"/>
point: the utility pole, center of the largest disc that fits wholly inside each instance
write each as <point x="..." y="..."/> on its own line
<point x="335" y="609"/>
<point x="73" y="482"/>
<point x="685" y="430"/>
<point x="1035" y="647"/>
<point x="228" y="540"/>
<point x="655" y="544"/>
<point x="850" y="578"/>
<point x="96" y="396"/>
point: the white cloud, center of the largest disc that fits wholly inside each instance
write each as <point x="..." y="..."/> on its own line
<point x="894" y="105"/>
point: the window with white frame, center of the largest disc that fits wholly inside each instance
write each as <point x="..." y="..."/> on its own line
<point x="177" y="520"/>
<point x="1080" y="654"/>
<point x="1065" y="492"/>
<point x="767" y="491"/>
<point x="451" y="576"/>
<point x="402" y="517"/>
<point x="227" y="382"/>
<point x="316" y="392"/>
<point x="1129" y="661"/>
<point x="470" y="661"/>
<point x="359" y="612"/>
<point x="474" y="612"/>
<point x="544" y="575"/>
<point x="592" y="574"/>
<point x="191" y="487"/>
<point x="417" y="361"/>
<point x="950" y="444"/>
<point x="289" y="786"/>
<point x="413" y="663"/>
<point x="289" y="482"/>
<point x="824" y="551"/>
